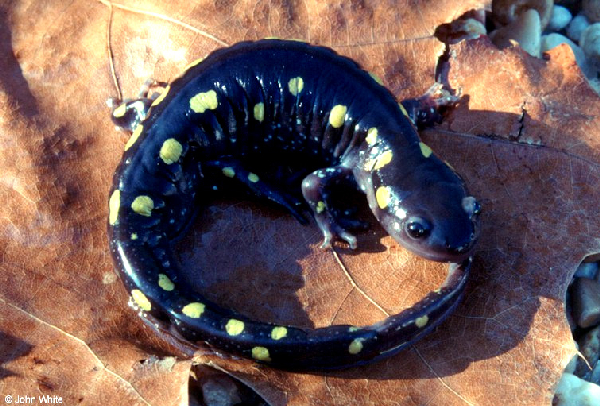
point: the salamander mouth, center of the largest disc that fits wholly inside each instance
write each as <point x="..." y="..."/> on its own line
<point x="448" y="255"/>
<point x="446" y="252"/>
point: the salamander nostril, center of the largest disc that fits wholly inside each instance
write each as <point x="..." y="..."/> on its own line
<point x="458" y="249"/>
<point x="476" y="207"/>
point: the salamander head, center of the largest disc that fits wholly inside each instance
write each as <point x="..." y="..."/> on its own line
<point x="437" y="221"/>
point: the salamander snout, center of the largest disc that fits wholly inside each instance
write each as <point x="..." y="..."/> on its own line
<point x="460" y="231"/>
<point x="434" y="227"/>
<point x="462" y="250"/>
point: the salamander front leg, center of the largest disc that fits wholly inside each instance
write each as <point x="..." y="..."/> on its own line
<point x="234" y="169"/>
<point x="315" y="189"/>
<point x="424" y="111"/>
<point x="128" y="113"/>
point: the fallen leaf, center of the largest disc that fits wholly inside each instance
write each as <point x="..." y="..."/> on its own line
<point x="524" y="137"/>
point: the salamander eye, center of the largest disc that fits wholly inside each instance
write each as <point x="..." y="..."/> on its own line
<point x="417" y="228"/>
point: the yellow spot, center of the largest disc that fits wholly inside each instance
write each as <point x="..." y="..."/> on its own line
<point x="161" y="97"/>
<point x="383" y="159"/>
<point x="353" y="329"/>
<point x="422" y="321"/>
<point x="272" y="37"/>
<point x="450" y="166"/>
<point x="320" y="207"/>
<point x="371" y="136"/>
<point x="383" y="196"/>
<point x="192" y="64"/>
<point x="114" y="203"/>
<point x="403" y="110"/>
<point x="134" y="236"/>
<point x="193" y="310"/>
<point x="234" y="327"/>
<point x="296" y="85"/>
<point x="337" y="116"/>
<point x="261" y="354"/>
<point x="170" y="151"/>
<point x="369" y="165"/>
<point x="425" y="150"/>
<point x="120" y="111"/>
<point x="141" y="300"/>
<point x="278" y="333"/>
<point x="376" y="78"/>
<point x="136" y="134"/>
<point x="228" y="171"/>
<point x="165" y="283"/>
<point x="259" y="112"/>
<point x="356" y="345"/>
<point x="143" y="205"/>
<point x="252" y="177"/>
<point x="204" y="101"/>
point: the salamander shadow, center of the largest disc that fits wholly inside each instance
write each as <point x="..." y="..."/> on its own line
<point x="256" y="259"/>
<point x="11" y="349"/>
<point x="12" y="81"/>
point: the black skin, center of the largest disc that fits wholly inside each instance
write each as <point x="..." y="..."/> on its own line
<point x="271" y="100"/>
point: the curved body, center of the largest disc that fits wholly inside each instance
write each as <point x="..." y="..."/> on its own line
<point x="275" y="99"/>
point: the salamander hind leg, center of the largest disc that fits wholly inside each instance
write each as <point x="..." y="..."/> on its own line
<point x="235" y="169"/>
<point x="316" y="189"/>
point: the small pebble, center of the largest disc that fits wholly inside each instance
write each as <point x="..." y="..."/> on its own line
<point x="460" y="30"/>
<point x="595" y="375"/>
<point x="473" y="27"/>
<point x="591" y="9"/>
<point x="220" y="392"/>
<point x="589" y="347"/>
<point x="561" y="17"/>
<point x="595" y="84"/>
<point x="587" y="270"/>
<point x="574" y="391"/>
<point x="505" y="12"/>
<point x="590" y="43"/>
<point x="572" y="365"/>
<point x="553" y="40"/>
<point x="525" y="30"/>
<point x="586" y="302"/>
<point x="577" y="26"/>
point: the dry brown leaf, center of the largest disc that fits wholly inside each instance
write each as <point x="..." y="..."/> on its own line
<point x="66" y="328"/>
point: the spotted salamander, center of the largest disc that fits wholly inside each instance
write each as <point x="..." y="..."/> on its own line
<point x="273" y="99"/>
